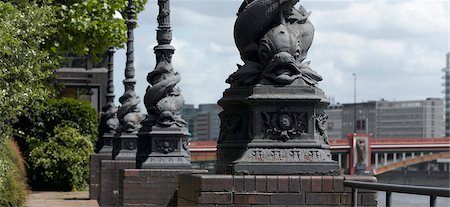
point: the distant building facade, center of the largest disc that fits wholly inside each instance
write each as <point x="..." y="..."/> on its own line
<point x="414" y="119"/>
<point x="334" y="113"/>
<point x="363" y="122"/>
<point x="389" y="119"/>
<point x="446" y="84"/>
<point x="81" y="79"/>
<point x="189" y="113"/>
<point x="203" y="122"/>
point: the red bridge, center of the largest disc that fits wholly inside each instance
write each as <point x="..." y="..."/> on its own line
<point x="380" y="154"/>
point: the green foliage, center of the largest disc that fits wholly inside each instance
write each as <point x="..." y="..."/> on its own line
<point x="25" y="69"/>
<point x="87" y="27"/>
<point x="82" y="27"/>
<point x="63" y="159"/>
<point x="78" y="114"/>
<point x="13" y="188"/>
<point x="43" y="118"/>
<point x="34" y="36"/>
<point x="40" y="127"/>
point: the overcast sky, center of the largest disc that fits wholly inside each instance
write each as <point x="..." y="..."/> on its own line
<point x="396" y="47"/>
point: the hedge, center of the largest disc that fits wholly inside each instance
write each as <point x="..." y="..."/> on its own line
<point x="57" y="137"/>
<point x="13" y="187"/>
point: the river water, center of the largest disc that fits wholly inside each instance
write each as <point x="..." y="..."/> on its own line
<point x="408" y="200"/>
<point x="431" y="179"/>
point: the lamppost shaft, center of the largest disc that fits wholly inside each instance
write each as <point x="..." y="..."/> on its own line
<point x="129" y="112"/>
<point x="110" y="86"/>
<point x="354" y="104"/>
<point x="131" y="23"/>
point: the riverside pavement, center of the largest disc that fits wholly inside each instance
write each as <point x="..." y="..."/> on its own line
<point x="59" y="199"/>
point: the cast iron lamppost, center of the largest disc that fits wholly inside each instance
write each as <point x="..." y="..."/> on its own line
<point x="129" y="113"/>
<point x="163" y="139"/>
<point x="108" y="120"/>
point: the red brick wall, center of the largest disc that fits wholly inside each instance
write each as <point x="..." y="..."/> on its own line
<point x="150" y="187"/>
<point x="242" y="190"/>
<point x="109" y="177"/>
<point x="94" y="174"/>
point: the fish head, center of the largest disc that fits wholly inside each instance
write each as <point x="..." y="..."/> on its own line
<point x="278" y="41"/>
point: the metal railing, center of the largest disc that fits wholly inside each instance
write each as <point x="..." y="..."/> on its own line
<point x="433" y="192"/>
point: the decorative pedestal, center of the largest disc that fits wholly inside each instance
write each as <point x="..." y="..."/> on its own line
<point x="164" y="148"/>
<point x="125" y="146"/>
<point x="107" y="147"/>
<point x="274" y="130"/>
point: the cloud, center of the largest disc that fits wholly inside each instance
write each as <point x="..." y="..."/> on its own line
<point x="396" y="48"/>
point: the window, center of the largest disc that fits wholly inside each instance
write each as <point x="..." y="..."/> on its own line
<point x="361" y="125"/>
<point x="82" y="93"/>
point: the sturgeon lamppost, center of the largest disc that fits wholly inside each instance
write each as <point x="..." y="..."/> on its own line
<point x="129" y="113"/>
<point x="108" y="120"/>
<point x="163" y="138"/>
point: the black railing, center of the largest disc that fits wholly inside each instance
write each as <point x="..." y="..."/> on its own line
<point x="433" y="192"/>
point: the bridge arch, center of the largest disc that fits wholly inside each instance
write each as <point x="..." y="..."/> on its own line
<point x="408" y="162"/>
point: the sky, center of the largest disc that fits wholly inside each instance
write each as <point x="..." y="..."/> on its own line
<point x="396" y="48"/>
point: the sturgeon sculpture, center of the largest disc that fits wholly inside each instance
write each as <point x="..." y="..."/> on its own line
<point x="163" y="98"/>
<point x="273" y="38"/>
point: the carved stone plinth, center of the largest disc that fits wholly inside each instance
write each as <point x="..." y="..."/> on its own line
<point x="107" y="147"/>
<point x="274" y="130"/>
<point x="125" y="146"/>
<point x="163" y="148"/>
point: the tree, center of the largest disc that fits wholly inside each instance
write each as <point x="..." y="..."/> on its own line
<point x="36" y="34"/>
<point x="25" y="67"/>
<point x="88" y="27"/>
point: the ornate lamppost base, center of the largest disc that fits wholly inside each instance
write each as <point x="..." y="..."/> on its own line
<point x="274" y="130"/>
<point x="107" y="147"/>
<point x="125" y="146"/>
<point x="164" y="148"/>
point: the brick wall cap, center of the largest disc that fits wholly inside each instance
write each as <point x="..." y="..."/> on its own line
<point x="372" y="179"/>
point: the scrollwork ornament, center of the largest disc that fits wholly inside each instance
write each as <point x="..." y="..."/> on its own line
<point x="165" y="146"/>
<point x="321" y="125"/>
<point x="284" y="125"/>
